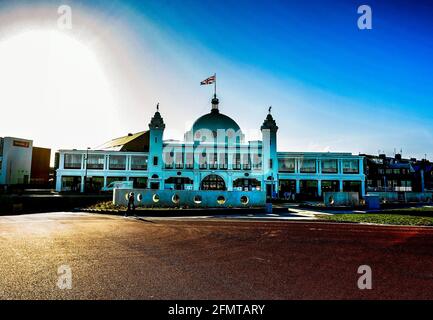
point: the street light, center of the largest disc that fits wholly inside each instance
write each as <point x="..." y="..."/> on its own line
<point x="85" y="174"/>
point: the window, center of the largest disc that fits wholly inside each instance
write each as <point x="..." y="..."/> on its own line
<point x="203" y="160"/>
<point x="406" y="183"/>
<point x="73" y="161"/>
<point x="213" y="161"/>
<point x="246" y="161"/>
<point x="286" y="165"/>
<point x="71" y="183"/>
<point x="213" y="182"/>
<point x="139" y="163"/>
<point x="95" y="161"/>
<point x="329" y="166"/>
<point x="117" y="162"/>
<point x="155" y="161"/>
<point x="189" y="160"/>
<point x="139" y="182"/>
<point x="351" y="166"/>
<point x="307" y="165"/>
<point x="178" y="159"/>
<point x="257" y="161"/>
<point x="223" y="160"/>
<point x="246" y="184"/>
<point x="168" y="160"/>
<point x="236" y="161"/>
<point x="270" y="163"/>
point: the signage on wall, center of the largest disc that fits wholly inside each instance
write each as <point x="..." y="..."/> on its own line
<point x="22" y="144"/>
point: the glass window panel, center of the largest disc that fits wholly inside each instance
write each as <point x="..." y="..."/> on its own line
<point x="117" y="162"/>
<point x="139" y="163"/>
<point x="73" y="161"/>
<point x="308" y="165"/>
<point x="329" y="166"/>
<point x="351" y="166"/>
<point x="95" y="162"/>
<point x="286" y="165"/>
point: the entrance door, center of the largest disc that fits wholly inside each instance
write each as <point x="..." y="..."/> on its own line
<point x="269" y="190"/>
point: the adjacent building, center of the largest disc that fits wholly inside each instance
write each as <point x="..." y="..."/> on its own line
<point x="396" y="174"/>
<point x="213" y="156"/>
<point x="23" y="164"/>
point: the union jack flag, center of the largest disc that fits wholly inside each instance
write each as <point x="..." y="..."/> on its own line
<point x="209" y="80"/>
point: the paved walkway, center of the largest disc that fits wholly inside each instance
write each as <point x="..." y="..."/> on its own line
<point x="112" y="257"/>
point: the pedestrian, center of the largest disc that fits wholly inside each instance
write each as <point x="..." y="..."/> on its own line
<point x="131" y="204"/>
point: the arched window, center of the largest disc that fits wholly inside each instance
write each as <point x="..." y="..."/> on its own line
<point x="213" y="182"/>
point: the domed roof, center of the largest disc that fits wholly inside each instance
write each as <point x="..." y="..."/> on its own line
<point x="215" y="120"/>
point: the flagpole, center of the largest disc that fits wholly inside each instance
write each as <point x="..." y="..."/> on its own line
<point x="215" y="85"/>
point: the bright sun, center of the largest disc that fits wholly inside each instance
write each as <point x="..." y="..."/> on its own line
<point x="50" y="81"/>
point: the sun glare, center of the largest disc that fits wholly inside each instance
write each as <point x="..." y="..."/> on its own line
<point x="48" y="74"/>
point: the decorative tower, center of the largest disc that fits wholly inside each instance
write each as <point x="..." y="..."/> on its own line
<point x="269" y="154"/>
<point x="155" y="161"/>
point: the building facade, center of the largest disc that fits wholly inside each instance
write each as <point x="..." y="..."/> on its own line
<point x="212" y="156"/>
<point x="21" y="163"/>
<point x="397" y="174"/>
<point x="15" y="161"/>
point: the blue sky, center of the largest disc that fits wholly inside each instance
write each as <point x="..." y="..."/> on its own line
<point x="318" y="43"/>
<point x="333" y="87"/>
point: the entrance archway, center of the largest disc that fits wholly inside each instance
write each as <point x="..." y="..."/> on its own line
<point x="213" y="182"/>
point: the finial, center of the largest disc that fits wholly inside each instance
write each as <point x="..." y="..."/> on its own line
<point x="269" y="110"/>
<point x="215" y="103"/>
<point x="157" y="106"/>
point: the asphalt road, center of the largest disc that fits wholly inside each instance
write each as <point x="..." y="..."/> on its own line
<point x="117" y="258"/>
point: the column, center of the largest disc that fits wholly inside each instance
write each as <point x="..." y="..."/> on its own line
<point x="361" y="166"/>
<point x="196" y="180"/>
<point x="82" y="183"/>
<point x="58" y="182"/>
<point x="62" y="161"/>
<point x="341" y="186"/>
<point x="362" y="188"/>
<point x="229" y="185"/>
<point x="319" y="187"/>
<point x="298" y="186"/>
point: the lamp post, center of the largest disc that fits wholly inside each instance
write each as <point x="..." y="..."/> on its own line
<point x="85" y="172"/>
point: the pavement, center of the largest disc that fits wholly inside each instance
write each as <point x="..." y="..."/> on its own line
<point x="112" y="257"/>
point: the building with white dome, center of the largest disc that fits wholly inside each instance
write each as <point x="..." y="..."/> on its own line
<point x="214" y="157"/>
